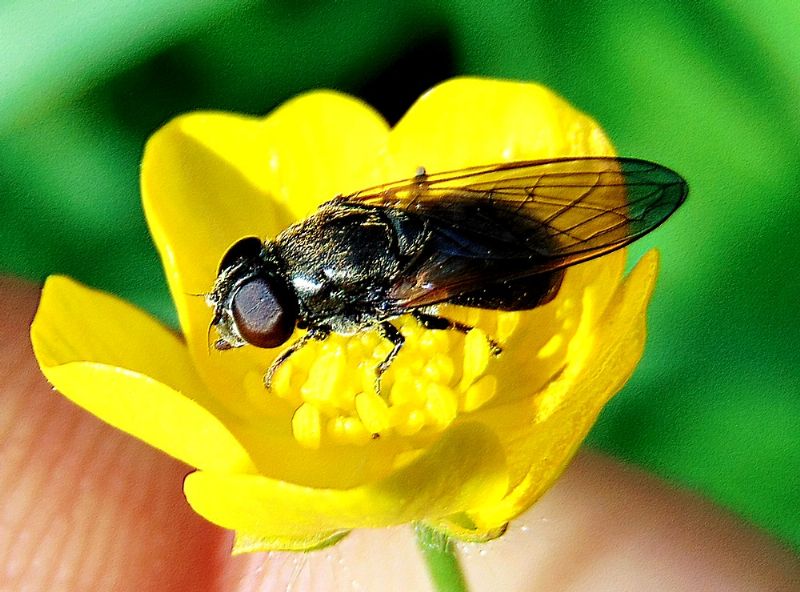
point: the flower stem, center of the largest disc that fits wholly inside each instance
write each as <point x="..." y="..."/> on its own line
<point x="444" y="568"/>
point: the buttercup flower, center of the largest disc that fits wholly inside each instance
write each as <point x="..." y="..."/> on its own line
<point x="457" y="439"/>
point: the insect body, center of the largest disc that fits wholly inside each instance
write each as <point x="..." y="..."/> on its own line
<point x="498" y="237"/>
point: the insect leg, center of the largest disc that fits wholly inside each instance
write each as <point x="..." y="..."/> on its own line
<point x="391" y="334"/>
<point x="430" y="321"/>
<point x="284" y="355"/>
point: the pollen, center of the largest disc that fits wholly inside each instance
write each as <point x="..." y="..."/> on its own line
<point x="307" y="425"/>
<point x="438" y="375"/>
<point x="373" y="412"/>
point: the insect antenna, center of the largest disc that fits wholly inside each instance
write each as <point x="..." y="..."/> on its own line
<point x="205" y="296"/>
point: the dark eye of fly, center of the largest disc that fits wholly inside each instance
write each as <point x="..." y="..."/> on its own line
<point x="264" y="311"/>
<point x="245" y="249"/>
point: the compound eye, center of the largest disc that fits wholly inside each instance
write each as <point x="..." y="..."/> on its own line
<point x="243" y="249"/>
<point x="264" y="311"/>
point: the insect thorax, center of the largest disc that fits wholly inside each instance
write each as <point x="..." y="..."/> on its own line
<point x="341" y="262"/>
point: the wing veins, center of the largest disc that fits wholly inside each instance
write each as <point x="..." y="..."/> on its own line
<point x="502" y="211"/>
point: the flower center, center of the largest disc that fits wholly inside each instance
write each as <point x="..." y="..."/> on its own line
<point x="437" y="375"/>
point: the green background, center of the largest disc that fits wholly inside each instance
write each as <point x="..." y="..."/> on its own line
<point x="712" y="92"/>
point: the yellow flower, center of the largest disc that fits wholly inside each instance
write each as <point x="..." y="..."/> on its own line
<point x="458" y="439"/>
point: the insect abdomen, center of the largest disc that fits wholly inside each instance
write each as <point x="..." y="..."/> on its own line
<point x="519" y="294"/>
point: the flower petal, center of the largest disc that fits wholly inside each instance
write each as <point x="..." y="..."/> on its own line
<point x="539" y="347"/>
<point x="473" y="121"/>
<point x="133" y="373"/>
<point x="246" y="543"/>
<point x="465" y="469"/>
<point x="544" y="436"/>
<point x="209" y="179"/>
<point x="322" y="144"/>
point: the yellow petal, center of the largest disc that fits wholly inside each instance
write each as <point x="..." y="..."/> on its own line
<point x="538" y="348"/>
<point x="247" y="543"/>
<point x="121" y="365"/>
<point x="209" y="179"/>
<point x="473" y="121"/>
<point x="322" y="144"/>
<point x="465" y="469"/>
<point x="547" y="444"/>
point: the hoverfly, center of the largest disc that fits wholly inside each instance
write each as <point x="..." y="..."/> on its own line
<point x="498" y="236"/>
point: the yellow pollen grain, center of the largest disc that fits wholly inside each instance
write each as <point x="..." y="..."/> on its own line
<point x="286" y="382"/>
<point x="348" y="430"/>
<point x="476" y="357"/>
<point x="551" y="347"/>
<point x="307" y="425"/>
<point x="417" y="365"/>
<point x="407" y="390"/>
<point x="480" y="393"/>
<point x="354" y="347"/>
<point x="439" y="368"/>
<point x="406" y="420"/>
<point x="441" y="405"/>
<point x="373" y="412"/>
<point x="433" y="341"/>
<point x="328" y="346"/>
<point x="473" y="316"/>
<point x="368" y="339"/>
<point x="324" y="377"/>
<point x="410" y="330"/>
<point x="365" y="377"/>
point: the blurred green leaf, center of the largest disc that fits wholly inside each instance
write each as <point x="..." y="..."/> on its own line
<point x="53" y="50"/>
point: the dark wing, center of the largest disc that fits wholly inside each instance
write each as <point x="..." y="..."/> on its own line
<point x="505" y="222"/>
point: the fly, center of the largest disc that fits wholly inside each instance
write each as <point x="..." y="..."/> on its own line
<point x="497" y="237"/>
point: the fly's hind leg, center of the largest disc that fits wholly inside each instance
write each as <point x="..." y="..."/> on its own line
<point x="430" y="321"/>
<point x="391" y="334"/>
<point x="317" y="335"/>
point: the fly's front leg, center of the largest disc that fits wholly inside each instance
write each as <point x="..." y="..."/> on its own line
<point x="430" y="321"/>
<point x="391" y="334"/>
<point x="317" y="335"/>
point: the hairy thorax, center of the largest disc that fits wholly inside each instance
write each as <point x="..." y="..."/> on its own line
<point x="341" y="265"/>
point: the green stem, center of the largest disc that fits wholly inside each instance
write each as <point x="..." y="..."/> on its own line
<point x="440" y="557"/>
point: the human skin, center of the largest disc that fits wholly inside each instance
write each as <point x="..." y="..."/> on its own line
<point x="86" y="507"/>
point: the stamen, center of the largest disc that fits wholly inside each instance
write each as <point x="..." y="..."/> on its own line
<point x="480" y="393"/>
<point x="348" y="430"/>
<point x="326" y="372"/>
<point x="476" y="357"/>
<point x="436" y="375"/>
<point x="307" y="425"/>
<point x="440" y="369"/>
<point x="441" y="404"/>
<point x="373" y="411"/>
